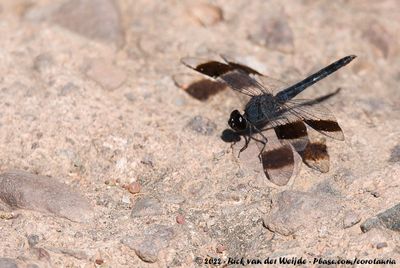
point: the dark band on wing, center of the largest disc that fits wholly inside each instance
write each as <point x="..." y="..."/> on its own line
<point x="214" y="69"/>
<point x="277" y="158"/>
<point x="293" y="130"/>
<point x="324" y="125"/>
<point x="236" y="76"/>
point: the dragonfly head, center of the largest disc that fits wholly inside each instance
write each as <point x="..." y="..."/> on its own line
<point x="237" y="122"/>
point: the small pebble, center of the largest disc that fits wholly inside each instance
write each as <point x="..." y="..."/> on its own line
<point x="381" y="245"/>
<point x="99" y="261"/>
<point x="133" y="187"/>
<point x="180" y="219"/>
<point x="33" y="240"/>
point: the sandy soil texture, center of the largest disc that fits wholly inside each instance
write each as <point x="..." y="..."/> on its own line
<point x="111" y="152"/>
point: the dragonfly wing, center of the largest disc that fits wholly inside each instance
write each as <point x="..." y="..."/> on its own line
<point x="279" y="160"/>
<point x="236" y="77"/>
<point x="294" y="133"/>
<point x="270" y="84"/>
<point x="314" y="115"/>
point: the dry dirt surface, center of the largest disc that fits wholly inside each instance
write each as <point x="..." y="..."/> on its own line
<point x="111" y="149"/>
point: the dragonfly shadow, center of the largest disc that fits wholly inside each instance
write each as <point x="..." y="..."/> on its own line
<point x="203" y="89"/>
<point x="228" y="135"/>
<point x="323" y="98"/>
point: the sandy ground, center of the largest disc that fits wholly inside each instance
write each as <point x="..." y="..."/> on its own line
<point x="124" y="162"/>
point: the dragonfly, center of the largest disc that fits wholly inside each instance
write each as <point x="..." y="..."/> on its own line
<point x="273" y="118"/>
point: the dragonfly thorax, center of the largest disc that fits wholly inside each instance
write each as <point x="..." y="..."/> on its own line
<point x="261" y="108"/>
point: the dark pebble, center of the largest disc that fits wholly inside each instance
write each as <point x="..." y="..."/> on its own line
<point x="202" y="125"/>
<point x="33" y="240"/>
<point x="381" y="245"/>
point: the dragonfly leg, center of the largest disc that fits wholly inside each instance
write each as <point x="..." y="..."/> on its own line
<point x="263" y="142"/>
<point x="245" y="145"/>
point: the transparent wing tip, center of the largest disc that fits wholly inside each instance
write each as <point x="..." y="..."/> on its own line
<point x="190" y="62"/>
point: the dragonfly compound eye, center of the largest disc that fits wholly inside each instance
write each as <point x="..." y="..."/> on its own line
<point x="237" y="121"/>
